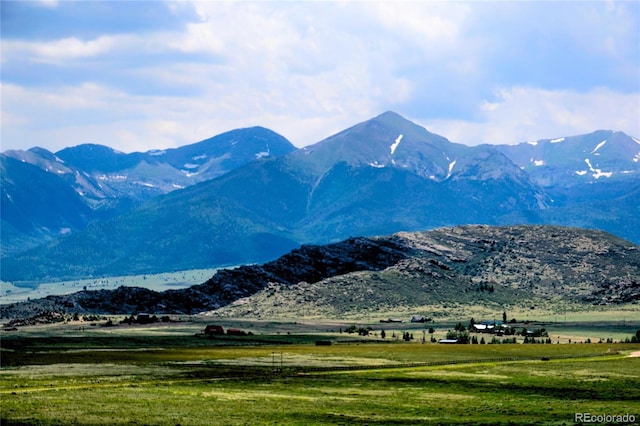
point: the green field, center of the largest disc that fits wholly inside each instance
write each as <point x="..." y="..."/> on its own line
<point x="71" y="375"/>
<point x="10" y="293"/>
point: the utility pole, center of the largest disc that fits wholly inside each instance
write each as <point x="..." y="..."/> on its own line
<point x="273" y="361"/>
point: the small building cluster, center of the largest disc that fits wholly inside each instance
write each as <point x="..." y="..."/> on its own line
<point x="414" y="319"/>
<point x="496" y="328"/>
<point x="461" y="333"/>
<point x="217" y="330"/>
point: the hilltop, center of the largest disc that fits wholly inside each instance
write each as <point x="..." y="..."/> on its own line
<point x="497" y="267"/>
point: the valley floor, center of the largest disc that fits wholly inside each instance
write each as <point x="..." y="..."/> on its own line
<point x="10" y="293"/>
<point x="311" y="373"/>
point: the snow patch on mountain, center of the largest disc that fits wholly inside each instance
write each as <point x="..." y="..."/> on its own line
<point x="263" y="154"/>
<point x="157" y="152"/>
<point x="600" y="174"/>
<point x="199" y="157"/>
<point x="557" y="140"/>
<point x="395" y="144"/>
<point x="453" y="163"/>
<point x="600" y="145"/>
<point x="636" y="140"/>
<point x="191" y="166"/>
<point x="538" y="163"/>
<point x="534" y="143"/>
<point x="376" y="165"/>
<point x="597" y="173"/>
<point x="581" y="172"/>
<point x="112" y="177"/>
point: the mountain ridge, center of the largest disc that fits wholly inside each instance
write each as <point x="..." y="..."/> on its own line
<point x="111" y="183"/>
<point x="603" y="154"/>
<point x="263" y="209"/>
<point x="496" y="267"/>
<point x="377" y="177"/>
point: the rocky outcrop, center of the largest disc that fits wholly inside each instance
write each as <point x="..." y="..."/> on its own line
<point x="461" y="265"/>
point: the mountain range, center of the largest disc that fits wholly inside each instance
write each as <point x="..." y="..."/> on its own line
<point x="214" y="204"/>
<point x="45" y="194"/>
<point x="496" y="268"/>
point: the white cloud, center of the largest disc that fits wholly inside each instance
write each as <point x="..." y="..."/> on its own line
<point x="519" y="114"/>
<point x="69" y="116"/>
<point x="199" y="37"/>
<point x="47" y="3"/>
<point x="310" y="69"/>
<point x="57" y="51"/>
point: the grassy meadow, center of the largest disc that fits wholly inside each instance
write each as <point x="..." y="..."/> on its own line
<point x="10" y="293"/>
<point x="71" y="374"/>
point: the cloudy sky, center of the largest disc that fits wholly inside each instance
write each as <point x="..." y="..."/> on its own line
<point x="138" y="75"/>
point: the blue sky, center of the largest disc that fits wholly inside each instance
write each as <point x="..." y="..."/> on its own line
<point x="140" y="75"/>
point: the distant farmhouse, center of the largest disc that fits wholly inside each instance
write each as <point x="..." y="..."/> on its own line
<point x="492" y="327"/>
<point x="217" y="330"/>
<point x="213" y="330"/>
<point x="483" y="328"/>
